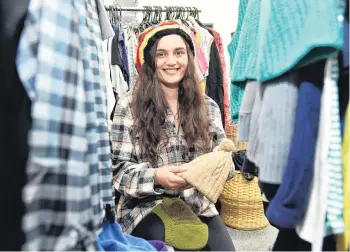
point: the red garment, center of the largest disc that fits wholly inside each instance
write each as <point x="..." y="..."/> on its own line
<point x="218" y="41"/>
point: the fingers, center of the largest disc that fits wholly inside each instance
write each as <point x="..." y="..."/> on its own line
<point x="176" y="169"/>
<point x="173" y="179"/>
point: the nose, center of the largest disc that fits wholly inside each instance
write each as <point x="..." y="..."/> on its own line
<point x="171" y="60"/>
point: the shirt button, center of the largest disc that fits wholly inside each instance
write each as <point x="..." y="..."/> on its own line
<point x="73" y="234"/>
<point x="340" y="18"/>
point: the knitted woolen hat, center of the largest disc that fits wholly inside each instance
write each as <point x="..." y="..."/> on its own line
<point x="183" y="229"/>
<point x="209" y="172"/>
<point x="151" y="35"/>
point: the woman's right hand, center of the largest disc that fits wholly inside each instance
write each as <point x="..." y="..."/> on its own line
<point x="166" y="177"/>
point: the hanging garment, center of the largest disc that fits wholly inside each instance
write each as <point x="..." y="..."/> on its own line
<point x="15" y="122"/>
<point x="335" y="200"/>
<point x="105" y="25"/>
<point x="68" y="168"/>
<point x="255" y="151"/>
<point x="246" y="108"/>
<point x="308" y="32"/>
<point x="111" y="99"/>
<point x="119" y="85"/>
<point x="288" y="207"/>
<point x="131" y="46"/>
<point x="214" y="82"/>
<point x="219" y="43"/>
<point x="343" y="242"/>
<point x="288" y="239"/>
<point x="272" y="129"/>
<point x="276" y="126"/>
<point x="205" y="39"/>
<point x="312" y="226"/>
<point x="200" y="57"/>
<point x="124" y="55"/>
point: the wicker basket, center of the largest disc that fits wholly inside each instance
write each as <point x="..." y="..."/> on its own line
<point x="241" y="204"/>
<point x="231" y="133"/>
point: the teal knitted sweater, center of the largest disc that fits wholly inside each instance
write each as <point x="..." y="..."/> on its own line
<point x="274" y="36"/>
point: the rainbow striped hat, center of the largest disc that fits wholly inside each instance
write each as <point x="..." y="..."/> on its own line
<point x="152" y="34"/>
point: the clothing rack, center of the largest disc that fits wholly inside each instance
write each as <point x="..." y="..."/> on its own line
<point x="154" y="8"/>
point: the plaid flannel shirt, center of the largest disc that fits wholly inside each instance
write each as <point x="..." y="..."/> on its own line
<point x="68" y="171"/>
<point x="133" y="176"/>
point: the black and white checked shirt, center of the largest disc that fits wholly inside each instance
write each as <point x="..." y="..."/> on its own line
<point x="133" y="176"/>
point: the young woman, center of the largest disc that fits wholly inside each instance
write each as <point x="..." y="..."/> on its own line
<point x="164" y="122"/>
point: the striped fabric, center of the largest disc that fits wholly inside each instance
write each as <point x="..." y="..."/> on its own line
<point x="148" y="35"/>
<point x="335" y="201"/>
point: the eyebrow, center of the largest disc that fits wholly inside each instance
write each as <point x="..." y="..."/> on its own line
<point x="176" y="49"/>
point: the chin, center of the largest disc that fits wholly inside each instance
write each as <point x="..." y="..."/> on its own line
<point x="172" y="82"/>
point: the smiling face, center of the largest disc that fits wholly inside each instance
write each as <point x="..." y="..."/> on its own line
<point x="171" y="60"/>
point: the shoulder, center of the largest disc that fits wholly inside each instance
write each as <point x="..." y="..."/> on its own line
<point x="212" y="106"/>
<point x="125" y="100"/>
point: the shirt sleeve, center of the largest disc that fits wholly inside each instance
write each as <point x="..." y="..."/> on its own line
<point x="130" y="177"/>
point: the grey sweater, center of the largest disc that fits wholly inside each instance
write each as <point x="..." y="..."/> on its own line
<point x="271" y="127"/>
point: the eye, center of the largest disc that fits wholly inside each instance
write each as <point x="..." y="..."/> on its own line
<point x="179" y="53"/>
<point x="160" y="54"/>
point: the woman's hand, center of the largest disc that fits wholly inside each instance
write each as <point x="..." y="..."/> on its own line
<point x="166" y="177"/>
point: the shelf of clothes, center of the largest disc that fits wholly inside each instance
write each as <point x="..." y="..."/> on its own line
<point x="289" y="94"/>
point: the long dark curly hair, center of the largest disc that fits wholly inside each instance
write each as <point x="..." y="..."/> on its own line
<point x="149" y="110"/>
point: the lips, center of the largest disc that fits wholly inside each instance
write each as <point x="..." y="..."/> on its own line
<point x="171" y="70"/>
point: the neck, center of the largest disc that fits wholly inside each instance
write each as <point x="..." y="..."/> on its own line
<point x="171" y="94"/>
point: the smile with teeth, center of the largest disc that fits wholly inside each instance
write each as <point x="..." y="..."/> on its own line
<point x="171" y="70"/>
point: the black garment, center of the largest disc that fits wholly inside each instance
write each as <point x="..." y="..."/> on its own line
<point x="116" y="58"/>
<point x="15" y="122"/>
<point x="288" y="240"/>
<point x="269" y="190"/>
<point x="152" y="228"/>
<point x="343" y="87"/>
<point x="214" y="81"/>
<point x="249" y="167"/>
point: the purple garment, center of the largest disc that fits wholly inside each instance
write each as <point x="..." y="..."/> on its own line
<point x="124" y="55"/>
<point x="159" y="245"/>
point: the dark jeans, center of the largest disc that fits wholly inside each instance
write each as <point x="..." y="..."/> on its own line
<point x="152" y="228"/>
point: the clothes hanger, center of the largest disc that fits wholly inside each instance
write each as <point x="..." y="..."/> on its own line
<point x="167" y="13"/>
<point x="160" y="14"/>
<point x="196" y="17"/>
<point x="182" y="16"/>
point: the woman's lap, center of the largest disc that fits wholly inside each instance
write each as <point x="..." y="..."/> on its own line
<point x="152" y="228"/>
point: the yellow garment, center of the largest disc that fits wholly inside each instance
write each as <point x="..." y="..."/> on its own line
<point x="344" y="239"/>
<point x="202" y="83"/>
<point x="198" y="37"/>
<point x="209" y="172"/>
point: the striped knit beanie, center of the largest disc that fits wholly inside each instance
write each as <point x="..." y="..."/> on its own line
<point x="151" y="35"/>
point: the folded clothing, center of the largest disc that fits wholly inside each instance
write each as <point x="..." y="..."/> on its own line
<point x="183" y="229"/>
<point x="112" y="238"/>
